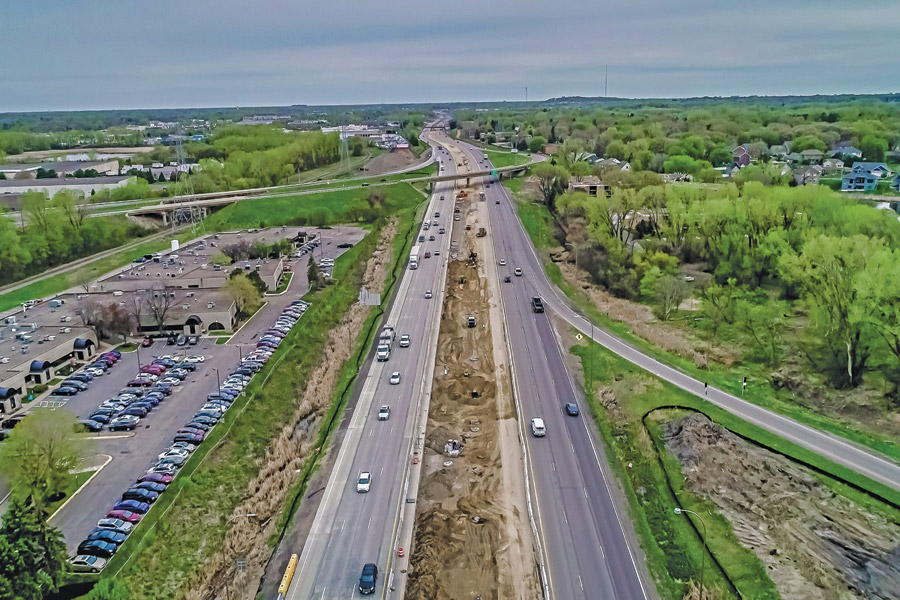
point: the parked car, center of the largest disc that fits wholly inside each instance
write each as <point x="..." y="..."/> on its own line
<point x="92" y="425"/>
<point x="87" y="563"/>
<point x="147" y="342"/>
<point x="132" y="505"/>
<point x="125" y="422"/>
<point x="212" y="413"/>
<point x="141" y="382"/>
<point x="65" y="391"/>
<point x="97" y="548"/>
<point x="170" y="381"/>
<point x="82" y="377"/>
<point x="196" y="358"/>
<point x="181" y="340"/>
<point x="165" y="390"/>
<point x="116" y="525"/>
<point x="155" y="478"/>
<point x="107" y="535"/>
<point x="135" y="411"/>
<point x="170" y="341"/>
<point x="125" y="515"/>
<point x="187" y="366"/>
<point x="189" y="437"/>
<point x="193" y="339"/>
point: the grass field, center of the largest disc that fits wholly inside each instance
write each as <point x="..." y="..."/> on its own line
<point x="538" y="224"/>
<point x="506" y="159"/>
<point x="323" y="208"/>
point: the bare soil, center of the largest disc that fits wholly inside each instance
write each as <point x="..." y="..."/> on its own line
<point x="392" y="161"/>
<point x="816" y="545"/>
<point x="279" y="470"/>
<point x="472" y="538"/>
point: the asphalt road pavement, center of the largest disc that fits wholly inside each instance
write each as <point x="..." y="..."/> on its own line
<point x="351" y="528"/>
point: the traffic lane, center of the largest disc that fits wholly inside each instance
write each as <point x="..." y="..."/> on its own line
<point x="133" y="455"/>
<point x="579" y="569"/>
<point x="351" y="531"/>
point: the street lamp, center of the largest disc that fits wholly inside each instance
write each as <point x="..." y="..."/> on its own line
<point x="678" y="511"/>
<point x="590" y="349"/>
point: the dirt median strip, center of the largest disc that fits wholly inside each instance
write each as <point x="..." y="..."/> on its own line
<point x="469" y="539"/>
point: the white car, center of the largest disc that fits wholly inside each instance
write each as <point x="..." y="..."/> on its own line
<point x="183" y="446"/>
<point x="174" y="452"/>
<point x="538" y="429"/>
<point x="428" y="294"/>
<point x="518" y="272"/>
<point x="364" y="482"/>
<point x="86" y="563"/>
<point x="502" y="262"/>
<point x="395" y="377"/>
<point x="384" y="413"/>
<point x="404" y="340"/>
<point x="170" y="381"/>
<point x="95" y="371"/>
<point x="149" y="376"/>
<point x="197" y="358"/>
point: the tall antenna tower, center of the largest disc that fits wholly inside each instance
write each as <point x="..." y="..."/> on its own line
<point x="606" y="83"/>
<point x="190" y="214"/>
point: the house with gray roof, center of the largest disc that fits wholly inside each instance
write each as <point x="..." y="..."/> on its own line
<point x="812" y="156"/>
<point x="847" y="152"/>
<point x="877" y="169"/>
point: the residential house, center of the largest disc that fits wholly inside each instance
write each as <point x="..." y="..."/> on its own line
<point x="875" y="168"/>
<point x="858" y="181"/>
<point x="808" y="175"/>
<point x="846" y="152"/>
<point x="590" y="185"/>
<point x="741" y="155"/>
<point x="778" y="151"/>
<point x="833" y="165"/>
<point x="613" y="162"/>
<point x="895" y="184"/>
<point x="812" y="156"/>
<point x="590" y="158"/>
<point x="794" y="158"/>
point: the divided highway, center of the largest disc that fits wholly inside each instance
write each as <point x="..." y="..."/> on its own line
<point x="351" y="529"/>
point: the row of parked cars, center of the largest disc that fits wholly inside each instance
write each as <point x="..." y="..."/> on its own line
<point x="81" y="381"/>
<point x="151" y="386"/>
<point x="119" y="522"/>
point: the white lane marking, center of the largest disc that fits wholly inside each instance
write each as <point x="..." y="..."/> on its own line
<point x="381" y="472"/>
<point x="323" y="593"/>
<point x="581" y="583"/>
<point x="370" y="523"/>
<point x="585" y="492"/>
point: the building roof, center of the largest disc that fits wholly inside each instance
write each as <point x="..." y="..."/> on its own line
<point x="868" y="167"/>
<point x="61" y="181"/>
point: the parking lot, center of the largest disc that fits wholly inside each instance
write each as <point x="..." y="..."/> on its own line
<point x="132" y="453"/>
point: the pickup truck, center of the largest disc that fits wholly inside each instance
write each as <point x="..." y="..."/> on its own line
<point x="536" y="304"/>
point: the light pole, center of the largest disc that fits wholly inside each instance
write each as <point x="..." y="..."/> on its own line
<point x="678" y="511"/>
<point x="590" y="354"/>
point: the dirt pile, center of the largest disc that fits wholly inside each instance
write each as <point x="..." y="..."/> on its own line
<point x="468" y="535"/>
<point x="278" y="471"/>
<point x="814" y="543"/>
<point x="393" y="161"/>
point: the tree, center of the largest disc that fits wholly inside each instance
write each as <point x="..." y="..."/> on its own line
<point x="117" y="319"/>
<point x="32" y="553"/>
<point x="38" y="454"/>
<point x="552" y="181"/>
<point x="571" y="151"/>
<point x="110" y="589"/>
<point x="680" y="163"/>
<point x="314" y="275"/>
<point x="879" y="293"/>
<point x="719" y="303"/>
<point x="245" y="295"/>
<point x="762" y="322"/>
<point x="580" y="170"/>
<point x="828" y="270"/>
<point x="220" y="259"/>
<point x="91" y="313"/>
<point x="136" y="305"/>
<point x="537" y="143"/>
<point x="873" y="148"/>
<point x="670" y="293"/>
<point x="159" y="300"/>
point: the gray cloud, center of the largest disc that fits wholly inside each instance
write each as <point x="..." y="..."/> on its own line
<point x="123" y="54"/>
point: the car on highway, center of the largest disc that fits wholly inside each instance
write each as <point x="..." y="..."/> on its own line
<point x="87" y="563"/>
<point x="368" y="578"/>
<point x="502" y="262"/>
<point x="538" y="429"/>
<point x="128" y="516"/>
<point x="383" y="353"/>
<point x="65" y="391"/>
<point x="507" y="279"/>
<point x="132" y="505"/>
<point x="384" y="413"/>
<point x="116" y="525"/>
<point x="395" y="377"/>
<point x="124" y="423"/>
<point x="97" y="548"/>
<point x="428" y="294"/>
<point x="404" y="340"/>
<point x="431" y="238"/>
<point x="572" y="409"/>
<point x="428" y="255"/>
<point x="364" y="481"/>
<point x="106" y="535"/>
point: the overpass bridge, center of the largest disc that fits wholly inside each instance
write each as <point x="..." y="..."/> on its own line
<point x="179" y="208"/>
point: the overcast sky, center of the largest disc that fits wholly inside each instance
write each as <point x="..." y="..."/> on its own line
<point x="100" y="54"/>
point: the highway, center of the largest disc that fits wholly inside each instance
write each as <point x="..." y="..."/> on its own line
<point x="583" y="532"/>
<point x="350" y="528"/>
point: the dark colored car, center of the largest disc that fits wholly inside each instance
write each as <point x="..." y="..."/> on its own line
<point x="140" y="495"/>
<point x="507" y="279"/>
<point x="97" y="548"/>
<point x="208" y="421"/>
<point x="145" y="405"/>
<point x="115" y="353"/>
<point x="132" y="505"/>
<point x="65" y="391"/>
<point x="572" y="409"/>
<point x="187" y="366"/>
<point x="213" y="414"/>
<point x="141" y="383"/>
<point x="92" y="425"/>
<point x="166" y="362"/>
<point x="368" y="578"/>
<point x="192" y="340"/>
<point x="106" y="535"/>
<point x="158" y="396"/>
<point x="151" y="401"/>
<point x="147" y="342"/>
<point x="198" y="426"/>
<point x="156" y="478"/>
<point x="126" y="515"/>
<point x="136" y="411"/>
<point x="174" y="373"/>
<point x="75" y="383"/>
<point x="228" y="393"/>
<point x="153" y="486"/>
<point x="82" y="377"/>
<point x="162" y="388"/>
<point x="181" y="340"/>
<point x="102" y="416"/>
<point x="191" y="438"/>
<point x="132" y="391"/>
<point x="170" y="341"/>
<point x="243" y="371"/>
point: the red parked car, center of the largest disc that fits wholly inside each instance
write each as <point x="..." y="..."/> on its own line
<point x="154" y="368"/>
<point x="156" y="478"/>
<point x="125" y="515"/>
<point x="147" y="342"/>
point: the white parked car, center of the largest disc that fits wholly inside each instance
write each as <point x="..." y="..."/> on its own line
<point x="197" y="358"/>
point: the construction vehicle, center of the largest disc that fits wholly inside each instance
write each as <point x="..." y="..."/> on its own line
<point x="481" y="232"/>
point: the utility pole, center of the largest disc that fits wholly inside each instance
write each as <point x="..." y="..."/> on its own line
<point x="606" y="83"/>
